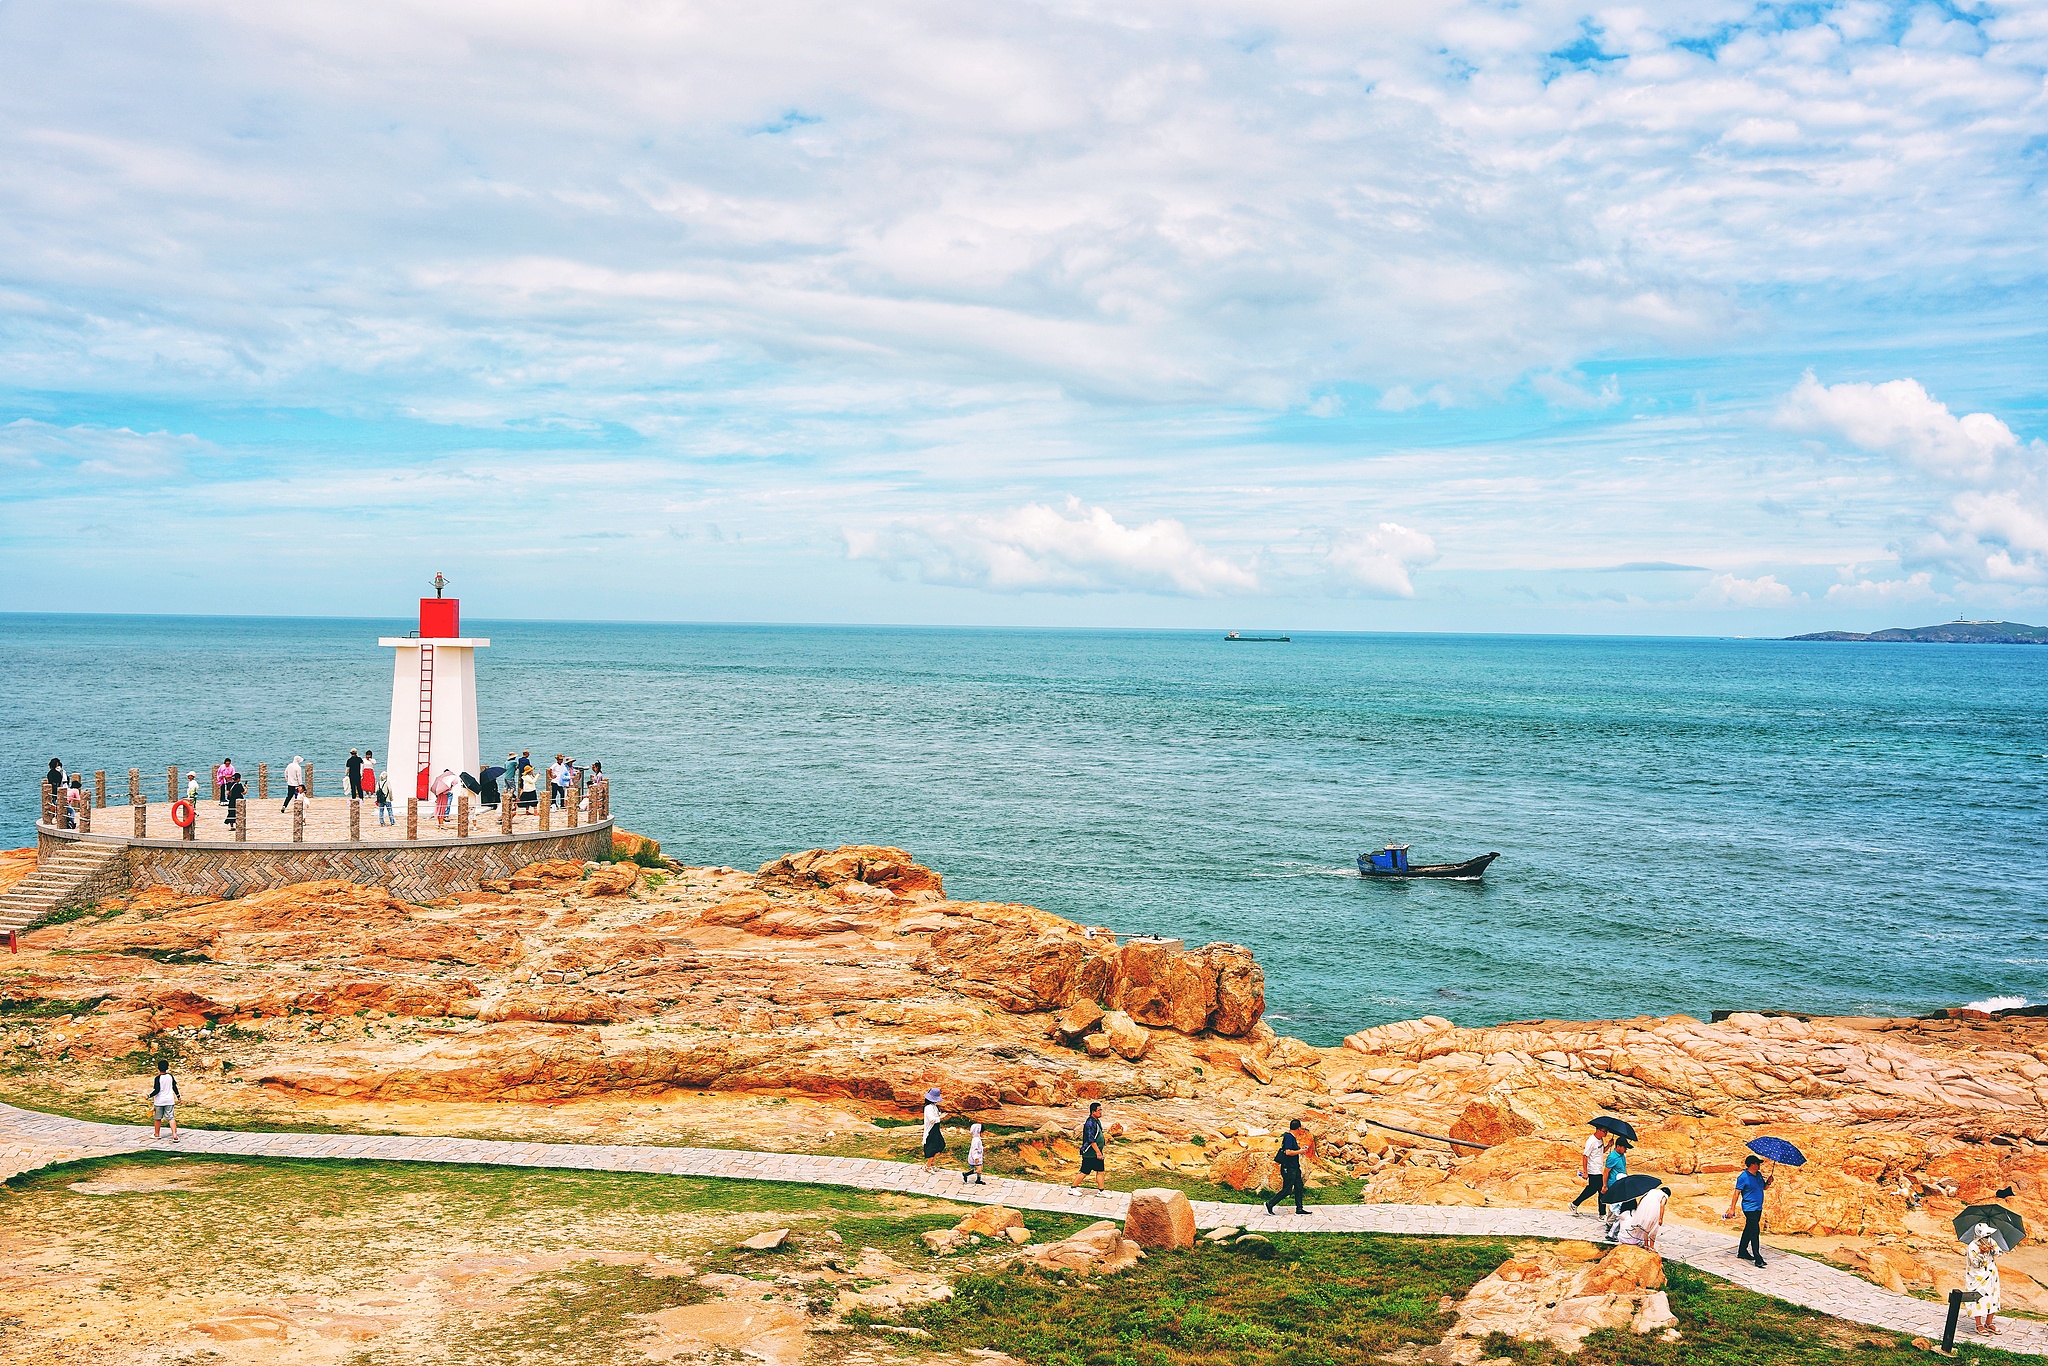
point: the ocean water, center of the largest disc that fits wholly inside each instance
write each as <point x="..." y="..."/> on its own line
<point x="1684" y="825"/>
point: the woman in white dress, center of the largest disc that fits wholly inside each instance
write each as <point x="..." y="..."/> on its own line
<point x="1980" y="1273"/>
<point x="1641" y="1224"/>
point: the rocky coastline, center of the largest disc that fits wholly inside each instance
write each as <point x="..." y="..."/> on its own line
<point x="807" y="1005"/>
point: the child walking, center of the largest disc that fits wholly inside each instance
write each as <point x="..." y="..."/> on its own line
<point x="974" y="1155"/>
<point x="163" y="1100"/>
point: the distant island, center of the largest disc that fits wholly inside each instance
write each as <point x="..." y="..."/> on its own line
<point x="1948" y="633"/>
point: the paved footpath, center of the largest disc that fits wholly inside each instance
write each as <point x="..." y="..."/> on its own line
<point x="30" y="1139"/>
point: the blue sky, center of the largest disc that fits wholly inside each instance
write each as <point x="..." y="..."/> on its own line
<point x="1702" y="318"/>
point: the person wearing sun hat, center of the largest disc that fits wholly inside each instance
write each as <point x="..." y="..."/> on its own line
<point x="934" y="1140"/>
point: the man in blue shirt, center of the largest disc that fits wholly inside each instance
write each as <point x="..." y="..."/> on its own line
<point x="1749" y="1193"/>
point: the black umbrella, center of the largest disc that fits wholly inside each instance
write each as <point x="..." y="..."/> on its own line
<point x="493" y="773"/>
<point x="1630" y="1188"/>
<point x="1620" y="1128"/>
<point x="2001" y="1221"/>
<point x="471" y="783"/>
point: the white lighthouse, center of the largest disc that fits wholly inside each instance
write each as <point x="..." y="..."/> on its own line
<point x="433" y="697"/>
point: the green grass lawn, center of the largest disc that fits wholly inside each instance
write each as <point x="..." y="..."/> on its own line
<point x="1356" y="1300"/>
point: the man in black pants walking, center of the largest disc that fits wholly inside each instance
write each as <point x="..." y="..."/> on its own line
<point x="1593" y="1166"/>
<point x="355" y="775"/>
<point x="1749" y="1193"/>
<point x="1289" y="1158"/>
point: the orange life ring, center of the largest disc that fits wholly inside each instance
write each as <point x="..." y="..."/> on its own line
<point x="182" y="814"/>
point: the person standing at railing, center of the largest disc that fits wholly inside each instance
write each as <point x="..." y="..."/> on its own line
<point x="237" y="798"/>
<point x="294" y="780"/>
<point x="55" y="778"/>
<point x="355" y="775"/>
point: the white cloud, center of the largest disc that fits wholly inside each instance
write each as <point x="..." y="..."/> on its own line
<point x="1042" y="549"/>
<point x="1995" y="527"/>
<point x="1570" y="390"/>
<point x="1884" y="592"/>
<point x="1901" y="419"/>
<point x="101" y="453"/>
<point x="1377" y="562"/>
<point x="1726" y="590"/>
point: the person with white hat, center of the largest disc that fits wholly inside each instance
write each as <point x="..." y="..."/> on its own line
<point x="934" y="1140"/>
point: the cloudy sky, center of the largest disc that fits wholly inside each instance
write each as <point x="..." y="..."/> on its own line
<point x="1696" y="317"/>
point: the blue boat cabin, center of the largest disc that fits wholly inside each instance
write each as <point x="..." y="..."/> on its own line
<point x="1392" y="859"/>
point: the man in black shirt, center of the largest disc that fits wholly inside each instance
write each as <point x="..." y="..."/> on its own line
<point x="1289" y="1158"/>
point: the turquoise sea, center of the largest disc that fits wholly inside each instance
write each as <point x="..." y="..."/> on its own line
<point x="1684" y="825"/>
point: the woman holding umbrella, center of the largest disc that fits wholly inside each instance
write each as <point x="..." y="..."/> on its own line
<point x="1987" y="1233"/>
<point x="1980" y="1273"/>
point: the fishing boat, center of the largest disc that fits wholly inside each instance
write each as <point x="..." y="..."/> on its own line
<point x="1280" y="639"/>
<point x="1392" y="861"/>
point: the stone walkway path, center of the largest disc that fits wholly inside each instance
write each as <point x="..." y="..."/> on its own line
<point x="29" y="1139"/>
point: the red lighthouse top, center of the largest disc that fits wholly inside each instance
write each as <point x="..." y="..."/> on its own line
<point x="440" y="618"/>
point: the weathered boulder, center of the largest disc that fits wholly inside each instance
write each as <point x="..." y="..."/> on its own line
<point x="1099" y="1249"/>
<point x="614" y="879"/>
<point x="893" y="870"/>
<point x="990" y="1220"/>
<point x="1164" y="986"/>
<point x="1624" y="1270"/>
<point x="1126" y="1038"/>
<point x="767" y="1241"/>
<point x="1081" y="1018"/>
<point x="1160" y="1219"/>
<point x="553" y="875"/>
<point x="1488" y="1123"/>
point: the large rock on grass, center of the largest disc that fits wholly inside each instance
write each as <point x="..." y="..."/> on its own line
<point x="1160" y="1219"/>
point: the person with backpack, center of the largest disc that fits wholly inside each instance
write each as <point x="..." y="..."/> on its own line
<point x="163" y="1100"/>
<point x="1289" y="1158"/>
<point x="384" y="816"/>
<point x="1094" y="1146"/>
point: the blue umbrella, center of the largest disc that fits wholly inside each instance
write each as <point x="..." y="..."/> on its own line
<point x="1777" y="1150"/>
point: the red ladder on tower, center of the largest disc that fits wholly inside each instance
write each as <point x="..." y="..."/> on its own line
<point x="423" y="749"/>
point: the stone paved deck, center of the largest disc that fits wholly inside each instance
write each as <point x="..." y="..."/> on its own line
<point x="326" y="821"/>
<point x="29" y="1139"/>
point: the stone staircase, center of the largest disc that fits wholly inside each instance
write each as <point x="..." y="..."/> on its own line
<point x="76" y="875"/>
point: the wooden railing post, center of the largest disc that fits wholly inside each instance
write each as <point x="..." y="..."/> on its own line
<point x="299" y="818"/>
<point x="171" y="784"/>
<point x="412" y="818"/>
<point x="134" y="786"/>
<point x="308" y="788"/>
<point x="547" y="807"/>
<point x="462" y="816"/>
<point x="355" y="819"/>
<point x="240" y="808"/>
<point x="85" y="817"/>
<point x="141" y="819"/>
<point x="99" y="788"/>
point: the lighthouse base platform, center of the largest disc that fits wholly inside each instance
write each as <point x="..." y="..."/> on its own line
<point x="215" y="864"/>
